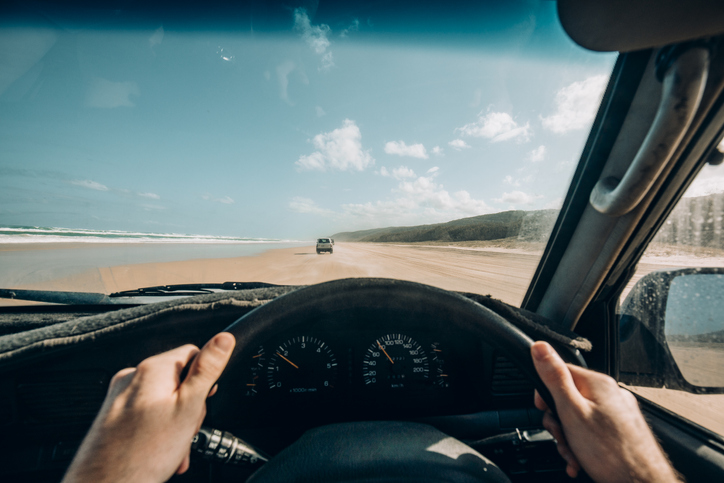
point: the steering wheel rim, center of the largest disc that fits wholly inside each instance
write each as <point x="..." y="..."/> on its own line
<point x="285" y="313"/>
<point x="295" y="308"/>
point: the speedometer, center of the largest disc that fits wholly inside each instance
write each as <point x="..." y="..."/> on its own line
<point x="395" y="361"/>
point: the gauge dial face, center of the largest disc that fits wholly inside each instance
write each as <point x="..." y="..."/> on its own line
<point x="254" y="375"/>
<point x="302" y="365"/>
<point x="438" y="374"/>
<point x="395" y="361"/>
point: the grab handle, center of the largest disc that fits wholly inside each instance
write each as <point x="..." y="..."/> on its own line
<point x="683" y="87"/>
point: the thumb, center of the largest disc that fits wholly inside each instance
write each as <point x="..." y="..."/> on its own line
<point x="207" y="366"/>
<point x="555" y="374"/>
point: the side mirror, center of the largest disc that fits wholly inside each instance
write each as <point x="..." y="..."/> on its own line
<point x="672" y="331"/>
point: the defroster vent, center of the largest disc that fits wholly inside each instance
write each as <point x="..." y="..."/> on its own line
<point x="61" y="397"/>
<point x="508" y="380"/>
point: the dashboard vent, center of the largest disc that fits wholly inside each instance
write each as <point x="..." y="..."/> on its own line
<point x="61" y="397"/>
<point x="508" y="380"/>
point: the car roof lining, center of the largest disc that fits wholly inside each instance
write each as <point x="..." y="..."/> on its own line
<point x="629" y="25"/>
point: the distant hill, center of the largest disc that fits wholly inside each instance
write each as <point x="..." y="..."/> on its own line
<point x="531" y="226"/>
<point x="696" y="222"/>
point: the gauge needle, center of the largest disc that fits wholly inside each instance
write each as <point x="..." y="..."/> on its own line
<point x="295" y="366"/>
<point x="383" y="350"/>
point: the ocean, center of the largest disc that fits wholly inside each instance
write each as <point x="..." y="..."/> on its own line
<point x="31" y="254"/>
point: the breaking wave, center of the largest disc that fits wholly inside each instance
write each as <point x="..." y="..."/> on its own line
<point x="35" y="234"/>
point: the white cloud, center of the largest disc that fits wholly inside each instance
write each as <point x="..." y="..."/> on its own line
<point x="458" y="144"/>
<point x="538" y="154"/>
<point x="517" y="198"/>
<point x="434" y="169"/>
<point x="496" y="126"/>
<point x="103" y="93"/>
<point x="340" y="149"/>
<point x="152" y="196"/>
<point x="315" y="36"/>
<point x="156" y="38"/>
<point x="226" y="200"/>
<point x="306" y="205"/>
<point x="437" y="150"/>
<point x="93" y="185"/>
<point x="576" y="105"/>
<point x="148" y="207"/>
<point x="401" y="149"/>
<point x="511" y="181"/>
<point x="415" y="200"/>
<point x="353" y="27"/>
<point x="320" y="112"/>
<point x="400" y="173"/>
<point x="554" y="204"/>
<point x="420" y="200"/>
<point x="403" y="172"/>
<point x="710" y="180"/>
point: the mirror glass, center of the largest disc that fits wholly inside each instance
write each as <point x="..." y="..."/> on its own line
<point x="695" y="327"/>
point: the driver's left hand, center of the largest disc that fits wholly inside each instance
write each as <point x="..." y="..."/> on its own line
<point x="144" y="429"/>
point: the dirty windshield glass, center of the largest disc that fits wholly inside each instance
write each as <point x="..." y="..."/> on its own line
<point x="142" y="149"/>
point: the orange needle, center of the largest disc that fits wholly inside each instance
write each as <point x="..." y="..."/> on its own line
<point x="383" y="350"/>
<point x="295" y="366"/>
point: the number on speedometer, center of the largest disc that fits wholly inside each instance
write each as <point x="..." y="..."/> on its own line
<point x="395" y="361"/>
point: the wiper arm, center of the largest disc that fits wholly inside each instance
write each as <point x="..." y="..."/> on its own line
<point x="128" y="297"/>
<point x="189" y="289"/>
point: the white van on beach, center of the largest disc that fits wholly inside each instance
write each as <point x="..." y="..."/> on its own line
<point x="324" y="245"/>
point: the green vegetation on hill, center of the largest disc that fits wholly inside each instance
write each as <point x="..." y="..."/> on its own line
<point x="526" y="225"/>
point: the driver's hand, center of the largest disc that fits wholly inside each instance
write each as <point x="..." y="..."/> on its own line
<point x="601" y="427"/>
<point x="144" y="429"/>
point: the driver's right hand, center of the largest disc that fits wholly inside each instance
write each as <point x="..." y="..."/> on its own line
<point x="600" y="427"/>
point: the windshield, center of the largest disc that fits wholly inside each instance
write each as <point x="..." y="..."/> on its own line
<point x="430" y="145"/>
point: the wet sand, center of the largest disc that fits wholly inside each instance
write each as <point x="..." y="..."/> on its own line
<point x="501" y="272"/>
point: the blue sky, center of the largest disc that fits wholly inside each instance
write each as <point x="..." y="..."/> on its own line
<point x="289" y="134"/>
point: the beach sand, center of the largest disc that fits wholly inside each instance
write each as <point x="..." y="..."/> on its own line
<point x="499" y="271"/>
<point x="503" y="274"/>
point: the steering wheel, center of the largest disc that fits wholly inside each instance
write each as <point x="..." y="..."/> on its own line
<point x="379" y="451"/>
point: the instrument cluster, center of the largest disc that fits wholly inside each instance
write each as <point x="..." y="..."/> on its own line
<point x="325" y="364"/>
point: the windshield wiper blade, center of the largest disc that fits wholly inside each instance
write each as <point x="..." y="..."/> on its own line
<point x="128" y="297"/>
<point x="56" y="297"/>
<point x="189" y="289"/>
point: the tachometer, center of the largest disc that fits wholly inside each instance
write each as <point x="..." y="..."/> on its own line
<point x="395" y="361"/>
<point x="302" y="365"/>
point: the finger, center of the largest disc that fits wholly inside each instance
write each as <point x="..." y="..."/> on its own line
<point x="163" y="371"/>
<point x="213" y="390"/>
<point x="554" y="427"/>
<point x="185" y="464"/>
<point x="539" y="402"/>
<point x="208" y="366"/>
<point x="555" y="375"/>
<point x="591" y="384"/>
<point x="121" y="380"/>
